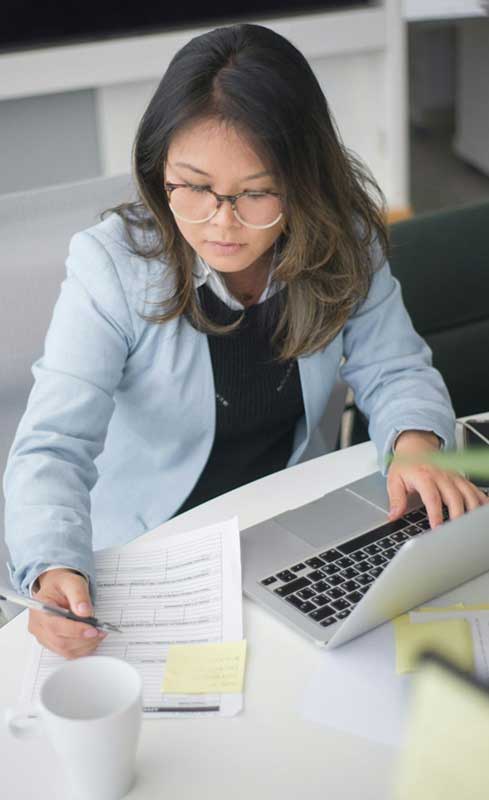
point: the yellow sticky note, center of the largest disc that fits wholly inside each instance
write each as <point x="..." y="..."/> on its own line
<point x="445" y="753"/>
<point x="205" y="668"/>
<point x="451" y="638"/>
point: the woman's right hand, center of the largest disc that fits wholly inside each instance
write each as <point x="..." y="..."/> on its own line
<point x="68" y="589"/>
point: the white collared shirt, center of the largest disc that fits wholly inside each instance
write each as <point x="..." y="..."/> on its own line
<point x="205" y="274"/>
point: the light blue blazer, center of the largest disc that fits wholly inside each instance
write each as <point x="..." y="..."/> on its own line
<point x="121" y="418"/>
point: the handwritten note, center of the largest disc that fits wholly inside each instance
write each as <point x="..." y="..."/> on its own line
<point x="450" y="637"/>
<point x="205" y="668"/>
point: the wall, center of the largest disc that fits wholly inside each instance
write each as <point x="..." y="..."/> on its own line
<point x="357" y="55"/>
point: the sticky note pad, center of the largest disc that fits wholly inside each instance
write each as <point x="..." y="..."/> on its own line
<point x="205" y="668"/>
<point x="451" y="638"/>
<point x="445" y="750"/>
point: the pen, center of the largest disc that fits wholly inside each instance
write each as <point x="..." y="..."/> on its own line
<point x="37" y="605"/>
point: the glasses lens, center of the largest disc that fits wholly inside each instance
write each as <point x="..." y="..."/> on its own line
<point x="258" y="208"/>
<point x="192" y="204"/>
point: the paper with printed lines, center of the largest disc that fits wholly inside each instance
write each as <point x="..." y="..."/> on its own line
<point x="184" y="590"/>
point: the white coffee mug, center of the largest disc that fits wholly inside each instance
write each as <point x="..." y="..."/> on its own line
<point x="91" y="710"/>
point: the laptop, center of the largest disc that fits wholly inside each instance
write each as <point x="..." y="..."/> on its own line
<point x="336" y="568"/>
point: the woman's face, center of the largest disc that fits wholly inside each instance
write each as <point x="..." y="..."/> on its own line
<point x="217" y="156"/>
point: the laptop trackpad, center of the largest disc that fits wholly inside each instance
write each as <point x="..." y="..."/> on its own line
<point x="336" y="516"/>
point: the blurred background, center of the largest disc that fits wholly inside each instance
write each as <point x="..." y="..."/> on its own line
<point x="406" y="80"/>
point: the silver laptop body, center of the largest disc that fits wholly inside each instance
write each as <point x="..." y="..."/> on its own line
<point x="423" y="567"/>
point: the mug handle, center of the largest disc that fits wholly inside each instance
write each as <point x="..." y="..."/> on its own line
<point x="23" y="724"/>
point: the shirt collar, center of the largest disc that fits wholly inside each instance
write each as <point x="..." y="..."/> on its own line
<point x="203" y="273"/>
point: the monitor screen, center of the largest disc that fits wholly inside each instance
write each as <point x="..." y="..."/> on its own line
<point x="30" y="23"/>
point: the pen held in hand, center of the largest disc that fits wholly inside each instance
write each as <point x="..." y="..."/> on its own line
<point x="37" y="605"/>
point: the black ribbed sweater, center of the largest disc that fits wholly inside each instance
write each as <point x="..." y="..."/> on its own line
<point x="258" y="400"/>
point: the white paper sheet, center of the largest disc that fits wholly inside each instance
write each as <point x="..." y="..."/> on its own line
<point x="356" y="689"/>
<point x="479" y="624"/>
<point x="184" y="589"/>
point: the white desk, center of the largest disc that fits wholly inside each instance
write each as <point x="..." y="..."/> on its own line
<point x="269" y="749"/>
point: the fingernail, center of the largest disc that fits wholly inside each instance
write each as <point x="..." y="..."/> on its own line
<point x="90" y="633"/>
<point x="102" y="634"/>
<point x="83" y="609"/>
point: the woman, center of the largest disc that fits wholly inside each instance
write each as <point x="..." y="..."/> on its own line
<point x="199" y="331"/>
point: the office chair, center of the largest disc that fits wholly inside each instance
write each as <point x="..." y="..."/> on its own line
<point x="442" y="262"/>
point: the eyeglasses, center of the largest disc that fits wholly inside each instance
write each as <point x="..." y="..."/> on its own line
<point x="194" y="204"/>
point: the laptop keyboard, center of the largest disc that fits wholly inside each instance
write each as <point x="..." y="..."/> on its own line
<point x="326" y="587"/>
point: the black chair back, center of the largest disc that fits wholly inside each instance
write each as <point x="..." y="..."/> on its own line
<point x="441" y="260"/>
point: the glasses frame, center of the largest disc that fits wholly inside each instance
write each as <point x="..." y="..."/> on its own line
<point x="220" y="199"/>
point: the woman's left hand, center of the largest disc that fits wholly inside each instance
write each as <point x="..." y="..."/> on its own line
<point x="435" y="486"/>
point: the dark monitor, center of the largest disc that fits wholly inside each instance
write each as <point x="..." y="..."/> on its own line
<point x="30" y="23"/>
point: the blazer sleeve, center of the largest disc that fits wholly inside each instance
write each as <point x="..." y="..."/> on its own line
<point x="50" y="469"/>
<point x="389" y="367"/>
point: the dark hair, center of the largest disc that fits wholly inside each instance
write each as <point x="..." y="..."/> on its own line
<point x="250" y="77"/>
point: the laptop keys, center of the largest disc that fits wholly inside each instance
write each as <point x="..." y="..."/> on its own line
<point x="317" y="575"/>
<point x="400" y="536"/>
<point x="385" y="544"/>
<point x="286" y="575"/>
<point x="365" y="580"/>
<point x="340" y="604"/>
<point x="377" y="560"/>
<point x="330" y="555"/>
<point x="305" y="594"/>
<point x="340" y="576"/>
<point x="314" y="563"/>
<point x="330" y="569"/>
<point x="375" y="572"/>
<point x="412" y="530"/>
<point x="371" y="537"/>
<point x="303" y="605"/>
<point x="349" y="573"/>
<point x="414" y="516"/>
<point x="321" y="613"/>
<point x="289" y="588"/>
<point x="321" y="600"/>
<point x="335" y="593"/>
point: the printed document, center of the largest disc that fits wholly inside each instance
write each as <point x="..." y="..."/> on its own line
<point x="186" y="589"/>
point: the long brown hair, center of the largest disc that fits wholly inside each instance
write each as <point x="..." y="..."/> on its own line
<point x="252" y="78"/>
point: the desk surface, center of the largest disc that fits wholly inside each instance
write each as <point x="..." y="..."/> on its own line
<point x="270" y="747"/>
